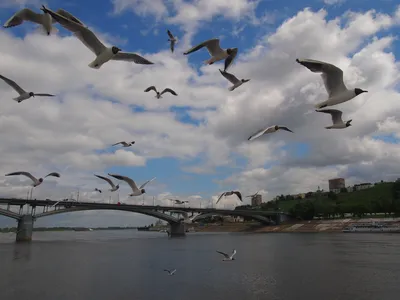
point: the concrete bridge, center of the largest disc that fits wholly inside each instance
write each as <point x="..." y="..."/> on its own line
<point x="41" y="208"/>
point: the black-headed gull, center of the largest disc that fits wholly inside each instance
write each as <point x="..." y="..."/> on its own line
<point x="226" y="256"/>
<point x="113" y="186"/>
<point x="36" y="181"/>
<point x="173" y="40"/>
<point x="216" y="52"/>
<point x="135" y="190"/>
<point x="267" y="130"/>
<point x="89" y="39"/>
<point x="333" y="81"/>
<point x="170" y="272"/>
<point x="336" y="119"/>
<point x="232" y="78"/>
<point x="124" y="144"/>
<point x="45" y="19"/>
<point x="158" y="96"/>
<point x="237" y="193"/>
<point x="23" y="95"/>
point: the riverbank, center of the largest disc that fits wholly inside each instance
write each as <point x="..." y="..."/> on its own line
<point x="336" y="225"/>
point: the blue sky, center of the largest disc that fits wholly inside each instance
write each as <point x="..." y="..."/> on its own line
<point x="146" y="34"/>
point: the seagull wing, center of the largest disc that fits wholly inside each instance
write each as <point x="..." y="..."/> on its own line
<point x="335" y="114"/>
<point x="117" y="143"/>
<point x="27" y="174"/>
<point x="151" y="88"/>
<point x="128" y="180"/>
<point x="168" y="90"/>
<point x="68" y="15"/>
<point x="232" y="78"/>
<point x="84" y="34"/>
<point x="54" y="174"/>
<point x="171" y="36"/>
<point x="128" y="56"/>
<point x="331" y="75"/>
<point x="173" y="271"/>
<point x="15" y="86"/>
<point x="212" y="47"/>
<point x="233" y="254"/>
<point x="237" y="193"/>
<point x="172" y="42"/>
<point x="142" y="186"/>
<point x="23" y="15"/>
<point x="259" y="133"/>
<point x="223" y="194"/>
<point x="44" y="95"/>
<point x="224" y="254"/>
<point x="284" y="128"/>
<point x="106" y="179"/>
<point x="229" y="59"/>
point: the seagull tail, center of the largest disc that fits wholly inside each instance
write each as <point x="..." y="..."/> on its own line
<point x="42" y="31"/>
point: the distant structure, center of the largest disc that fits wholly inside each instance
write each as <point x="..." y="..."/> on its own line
<point x="256" y="200"/>
<point x="336" y="184"/>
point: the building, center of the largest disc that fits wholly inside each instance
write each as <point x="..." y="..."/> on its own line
<point x="256" y="200"/>
<point x="362" y="186"/>
<point x="336" y="184"/>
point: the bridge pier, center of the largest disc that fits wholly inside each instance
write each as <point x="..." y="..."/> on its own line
<point x="177" y="229"/>
<point x="24" y="229"/>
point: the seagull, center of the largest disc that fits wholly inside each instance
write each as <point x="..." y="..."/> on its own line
<point x="237" y="193"/>
<point x="336" y="119"/>
<point x="158" y="96"/>
<point x="36" y="181"/>
<point x="266" y="131"/>
<point x="333" y="81"/>
<point x="252" y="196"/>
<point x="186" y="218"/>
<point x="124" y="144"/>
<point x="177" y="201"/>
<point x="232" y="78"/>
<point x="172" y="39"/>
<point x="170" y="272"/>
<point x="216" y="52"/>
<point x="45" y="19"/>
<point x="113" y="186"/>
<point x="89" y="39"/>
<point x="23" y="95"/>
<point x="97" y="190"/>
<point x="135" y="190"/>
<point x="228" y="257"/>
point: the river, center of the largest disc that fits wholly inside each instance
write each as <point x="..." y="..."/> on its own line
<point x="127" y="264"/>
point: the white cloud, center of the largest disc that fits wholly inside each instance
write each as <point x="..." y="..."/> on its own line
<point x="141" y="7"/>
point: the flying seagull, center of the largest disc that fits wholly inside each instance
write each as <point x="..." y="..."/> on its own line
<point x="135" y="190"/>
<point x="333" y="81"/>
<point x="252" y="196"/>
<point x="97" y="190"/>
<point x="89" y="39"/>
<point x="237" y="193"/>
<point x="170" y="272"/>
<point x="267" y="130"/>
<point x="35" y="180"/>
<point x="158" y="96"/>
<point x="336" y="119"/>
<point x="113" y="186"/>
<point x="232" y="78"/>
<point x="177" y="201"/>
<point x="124" y="144"/>
<point x="228" y="257"/>
<point x="23" y="95"/>
<point x="173" y="40"/>
<point x="216" y="52"/>
<point x="45" y="19"/>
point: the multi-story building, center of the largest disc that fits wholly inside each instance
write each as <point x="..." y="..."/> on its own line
<point x="256" y="200"/>
<point x="336" y="184"/>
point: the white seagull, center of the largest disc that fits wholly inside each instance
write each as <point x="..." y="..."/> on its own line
<point x="23" y="95"/>
<point x="270" y="129"/>
<point x="333" y="81"/>
<point x="172" y="39"/>
<point x="135" y="190"/>
<point x="158" y="96"/>
<point x="45" y="19"/>
<point x="89" y="39"/>
<point x="36" y="181"/>
<point x="252" y="196"/>
<point x="216" y="52"/>
<point x="113" y="186"/>
<point x="232" y="78"/>
<point x="178" y="201"/>
<point x="237" y="193"/>
<point x="124" y="144"/>
<point x="336" y="119"/>
<point x="226" y="256"/>
<point x="170" y="272"/>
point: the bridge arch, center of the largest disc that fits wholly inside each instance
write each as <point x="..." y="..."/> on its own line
<point x="9" y="213"/>
<point x="259" y="218"/>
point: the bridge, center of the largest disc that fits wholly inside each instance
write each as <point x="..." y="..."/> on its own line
<point x="41" y="208"/>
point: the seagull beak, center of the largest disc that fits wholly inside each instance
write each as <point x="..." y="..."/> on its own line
<point x="365" y="91"/>
<point x="119" y="49"/>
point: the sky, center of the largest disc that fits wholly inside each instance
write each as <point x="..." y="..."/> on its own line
<point x="195" y="144"/>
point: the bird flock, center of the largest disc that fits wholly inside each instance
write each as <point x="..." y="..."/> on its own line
<point x="332" y="77"/>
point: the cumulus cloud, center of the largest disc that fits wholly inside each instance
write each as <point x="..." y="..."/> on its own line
<point x="93" y="109"/>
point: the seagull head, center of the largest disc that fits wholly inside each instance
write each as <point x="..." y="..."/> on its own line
<point x="276" y="127"/>
<point x="348" y="123"/>
<point x="359" y="91"/>
<point x="232" y="51"/>
<point x="143" y="191"/>
<point x="245" y="80"/>
<point x="40" y="179"/>
<point x="31" y="94"/>
<point x="117" y="186"/>
<point x="115" y="50"/>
